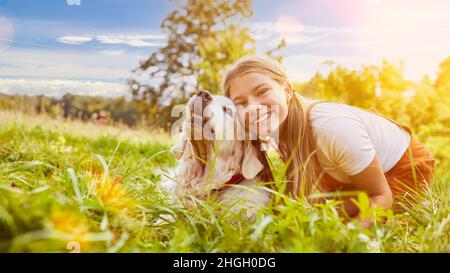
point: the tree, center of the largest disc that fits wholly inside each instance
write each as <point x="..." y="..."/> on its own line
<point x="442" y="87"/>
<point x="443" y="77"/>
<point x="203" y="36"/>
<point x="219" y="51"/>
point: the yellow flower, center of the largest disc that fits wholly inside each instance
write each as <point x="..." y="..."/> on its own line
<point x="113" y="194"/>
<point x="72" y="225"/>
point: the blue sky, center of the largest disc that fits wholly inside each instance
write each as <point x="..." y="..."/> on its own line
<point x="90" y="46"/>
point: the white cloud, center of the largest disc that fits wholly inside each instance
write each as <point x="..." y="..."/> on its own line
<point x="295" y="33"/>
<point x="57" y="88"/>
<point x="135" y="40"/>
<point x="73" y="2"/>
<point x="54" y="73"/>
<point x="109" y="65"/>
<point x="301" y="67"/>
<point x="112" y="52"/>
<point x="75" y="40"/>
<point x="309" y="46"/>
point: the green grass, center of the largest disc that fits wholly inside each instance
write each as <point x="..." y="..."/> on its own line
<point x="67" y="185"/>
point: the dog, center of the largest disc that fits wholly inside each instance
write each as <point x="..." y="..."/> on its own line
<point x="217" y="162"/>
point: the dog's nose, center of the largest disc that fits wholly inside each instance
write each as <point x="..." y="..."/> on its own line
<point x="205" y="95"/>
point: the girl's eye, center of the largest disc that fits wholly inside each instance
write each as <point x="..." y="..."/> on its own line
<point x="262" y="91"/>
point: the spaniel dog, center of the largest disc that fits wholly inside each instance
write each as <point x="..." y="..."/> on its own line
<point x="215" y="160"/>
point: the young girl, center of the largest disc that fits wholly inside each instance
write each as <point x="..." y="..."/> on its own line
<point x="332" y="146"/>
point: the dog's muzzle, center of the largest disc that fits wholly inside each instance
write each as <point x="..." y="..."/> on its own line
<point x="198" y="120"/>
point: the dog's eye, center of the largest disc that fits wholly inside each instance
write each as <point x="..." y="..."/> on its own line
<point x="227" y="110"/>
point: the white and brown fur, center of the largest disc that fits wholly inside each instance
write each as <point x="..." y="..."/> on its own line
<point x="195" y="173"/>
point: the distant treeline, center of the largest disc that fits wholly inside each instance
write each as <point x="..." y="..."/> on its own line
<point x="105" y="110"/>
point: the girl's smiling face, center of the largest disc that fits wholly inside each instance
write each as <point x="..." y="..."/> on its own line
<point x="264" y="99"/>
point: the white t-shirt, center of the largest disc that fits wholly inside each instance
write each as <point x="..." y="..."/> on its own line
<point x="348" y="138"/>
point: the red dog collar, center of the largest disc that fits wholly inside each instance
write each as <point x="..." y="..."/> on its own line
<point x="235" y="179"/>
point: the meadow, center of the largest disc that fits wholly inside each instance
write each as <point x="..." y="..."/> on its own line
<point x="72" y="186"/>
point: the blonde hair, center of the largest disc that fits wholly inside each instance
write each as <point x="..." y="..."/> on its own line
<point x="302" y="171"/>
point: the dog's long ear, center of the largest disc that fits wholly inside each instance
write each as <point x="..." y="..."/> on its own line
<point x="179" y="147"/>
<point x="251" y="165"/>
